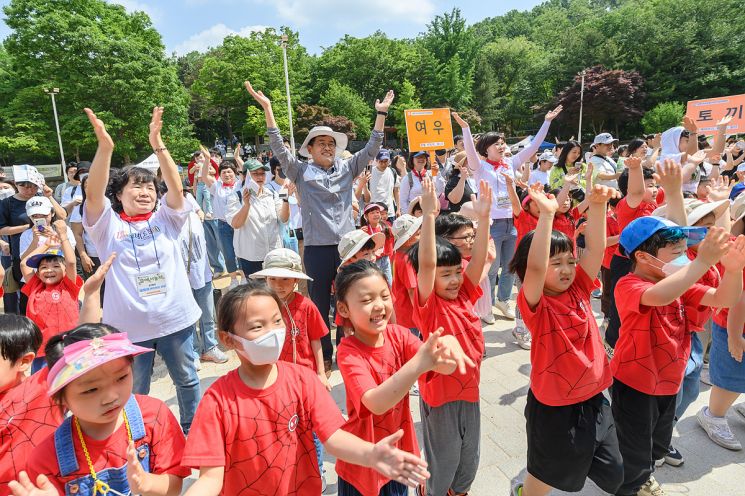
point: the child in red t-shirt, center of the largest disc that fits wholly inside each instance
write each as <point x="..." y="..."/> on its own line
<point x="654" y="302"/>
<point x="570" y="429"/>
<point x="253" y="430"/>
<point x="373" y="221"/>
<point x="379" y="363"/>
<point x="129" y="442"/>
<point x="305" y="327"/>
<point x="444" y="298"/>
<point x="53" y="288"/>
<point x="406" y="233"/>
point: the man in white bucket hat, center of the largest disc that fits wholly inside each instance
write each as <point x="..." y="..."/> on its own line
<point x="325" y="186"/>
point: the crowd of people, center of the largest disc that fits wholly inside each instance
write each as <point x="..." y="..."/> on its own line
<point x="407" y="258"/>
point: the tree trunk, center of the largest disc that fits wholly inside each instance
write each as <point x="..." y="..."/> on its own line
<point x="228" y="126"/>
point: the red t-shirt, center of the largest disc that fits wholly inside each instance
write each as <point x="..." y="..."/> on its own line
<point x="389" y="240"/>
<point x="27" y="417"/>
<point x="190" y="174"/>
<point x="404" y="279"/>
<point x="53" y="308"/>
<point x="162" y="434"/>
<point x="458" y="318"/>
<point x="654" y="342"/>
<point x="364" y="368"/>
<point x="264" y="437"/>
<point x="698" y="315"/>
<point x="310" y="326"/>
<point x="566" y="222"/>
<point x="524" y="223"/>
<point x="626" y="214"/>
<point x="568" y="360"/>
<point x="611" y="229"/>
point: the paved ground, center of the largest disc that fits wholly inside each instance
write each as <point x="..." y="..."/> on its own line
<point x="708" y="469"/>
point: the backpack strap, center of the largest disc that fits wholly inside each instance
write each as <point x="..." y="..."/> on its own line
<point x="63" y="445"/>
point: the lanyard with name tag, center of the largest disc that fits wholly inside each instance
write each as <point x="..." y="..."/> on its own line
<point x="152" y="283"/>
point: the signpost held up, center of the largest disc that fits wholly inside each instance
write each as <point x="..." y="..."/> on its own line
<point x="429" y="129"/>
<point x="708" y="112"/>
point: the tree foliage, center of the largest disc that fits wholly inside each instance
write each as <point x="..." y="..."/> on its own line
<point x="663" y="116"/>
<point x="340" y="99"/>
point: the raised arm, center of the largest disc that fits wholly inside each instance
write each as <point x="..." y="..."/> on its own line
<point x="169" y="170"/>
<point x="472" y="156"/>
<point x="534" y="145"/>
<point x="427" y="242"/>
<point x="363" y="157"/>
<point x="91" y="312"/>
<point x="27" y="271"/>
<point x="669" y="177"/>
<point x="517" y="208"/>
<point x="690" y="125"/>
<point x="60" y="227"/>
<point x="540" y="247"/>
<point x="98" y="175"/>
<point x="635" y="189"/>
<point x="729" y="291"/>
<point x="482" y="208"/>
<point x="595" y="232"/>
<point x="206" y="174"/>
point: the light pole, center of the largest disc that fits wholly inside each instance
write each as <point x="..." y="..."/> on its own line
<point x="287" y="90"/>
<point x="581" y="104"/>
<point x="52" y="93"/>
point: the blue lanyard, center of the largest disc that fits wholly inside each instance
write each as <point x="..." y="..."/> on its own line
<point x="134" y="247"/>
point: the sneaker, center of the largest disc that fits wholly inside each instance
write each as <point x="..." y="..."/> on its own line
<point x="740" y="408"/>
<point x="214" y="355"/>
<point x="197" y="364"/>
<point x="488" y="319"/>
<point x="673" y="457"/>
<point x="718" y="430"/>
<point x="504" y="309"/>
<point x="659" y="463"/>
<point x="517" y="489"/>
<point x="651" y="488"/>
<point x="705" y="377"/>
<point x="522" y="336"/>
<point x="597" y="293"/>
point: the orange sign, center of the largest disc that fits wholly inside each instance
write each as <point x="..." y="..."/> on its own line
<point x="429" y="129"/>
<point x="708" y="112"/>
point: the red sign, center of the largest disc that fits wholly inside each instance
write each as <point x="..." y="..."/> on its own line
<point x="708" y="112"/>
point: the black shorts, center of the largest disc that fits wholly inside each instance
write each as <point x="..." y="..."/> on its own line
<point x="568" y="444"/>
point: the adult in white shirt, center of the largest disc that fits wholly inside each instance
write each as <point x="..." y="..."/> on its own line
<point x="147" y="292"/>
<point x="256" y="219"/>
<point x="491" y="163"/>
<point x="411" y="182"/>
<point x="193" y="244"/>
<point x="223" y="191"/>
<point x="384" y="184"/>
<point x="604" y="167"/>
<point x="292" y="231"/>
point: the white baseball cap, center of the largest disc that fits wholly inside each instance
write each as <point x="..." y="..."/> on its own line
<point x="404" y="228"/>
<point x="604" y="139"/>
<point x="548" y="156"/>
<point x="38" y="205"/>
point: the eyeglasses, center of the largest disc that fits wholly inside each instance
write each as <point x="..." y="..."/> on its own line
<point x="328" y="146"/>
<point x="468" y="239"/>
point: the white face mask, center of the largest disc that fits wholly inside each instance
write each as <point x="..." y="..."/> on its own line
<point x="675" y="264"/>
<point x="6" y="193"/>
<point x="263" y="350"/>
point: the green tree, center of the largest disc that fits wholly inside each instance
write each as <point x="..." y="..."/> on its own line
<point x="100" y="57"/>
<point x="255" y="125"/>
<point x="406" y="100"/>
<point x="340" y="99"/>
<point x="663" y="116"/>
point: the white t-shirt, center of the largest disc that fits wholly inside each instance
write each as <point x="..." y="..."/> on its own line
<point x="411" y="189"/>
<point x="198" y="269"/>
<point x="260" y="233"/>
<point x="71" y="193"/>
<point x="381" y="187"/>
<point x="221" y="196"/>
<point x="603" y="166"/>
<point x="28" y="235"/>
<point x="296" y="219"/>
<point x="538" y="176"/>
<point x="152" y="246"/>
<point x="77" y="218"/>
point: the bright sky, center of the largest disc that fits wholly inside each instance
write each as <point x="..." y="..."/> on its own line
<point x="188" y="25"/>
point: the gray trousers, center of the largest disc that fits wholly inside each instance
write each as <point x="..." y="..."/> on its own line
<point x="451" y="435"/>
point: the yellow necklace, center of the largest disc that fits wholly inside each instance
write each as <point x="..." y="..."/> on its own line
<point x="98" y="485"/>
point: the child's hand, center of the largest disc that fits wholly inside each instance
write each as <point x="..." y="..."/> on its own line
<point x="454" y="353"/>
<point x="137" y="477"/>
<point x="633" y="163"/>
<point x="588" y="172"/>
<point x="714" y="246"/>
<point x="428" y="201"/>
<point x="491" y="251"/>
<point x="440" y="351"/>
<point x="24" y="487"/>
<point x="602" y="194"/>
<point x="735" y="259"/>
<point x="546" y="203"/>
<point x="509" y="180"/>
<point x="571" y="179"/>
<point x="718" y="189"/>
<point x="325" y="382"/>
<point x="697" y="157"/>
<point x="95" y="281"/>
<point x="61" y="227"/>
<point x="735" y="345"/>
<point x="482" y="202"/>
<point x="396" y="464"/>
<point x="668" y="176"/>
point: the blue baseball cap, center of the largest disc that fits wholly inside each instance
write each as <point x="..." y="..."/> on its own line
<point x="383" y="155"/>
<point x="739" y="188"/>
<point x="420" y="154"/>
<point x="641" y="229"/>
<point x="35" y="260"/>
